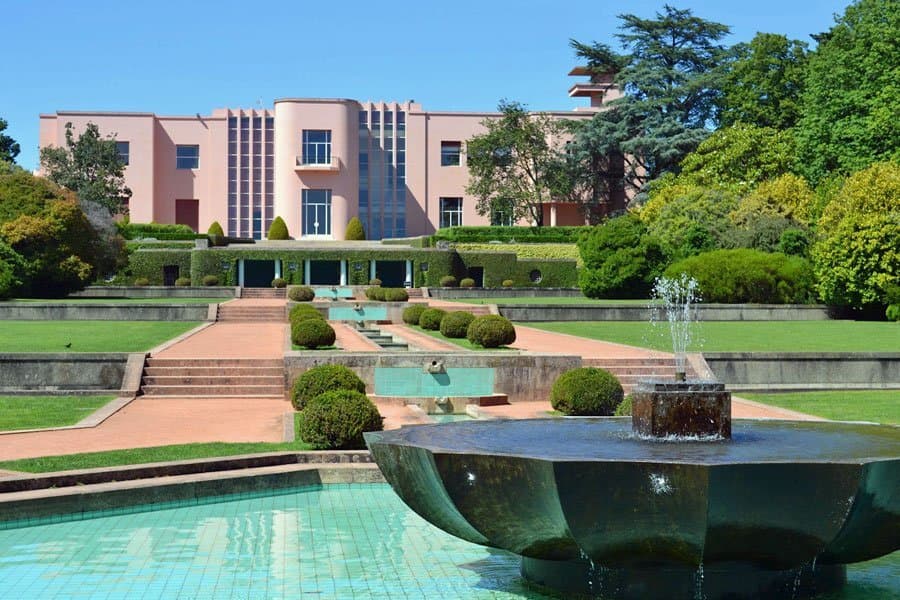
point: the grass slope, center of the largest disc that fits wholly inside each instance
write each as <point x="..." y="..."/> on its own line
<point x="879" y="406"/>
<point x="38" y="412"/>
<point x="87" y="336"/>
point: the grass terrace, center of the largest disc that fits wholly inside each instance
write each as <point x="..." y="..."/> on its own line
<point x="121" y="300"/>
<point x="744" y="336"/>
<point x="38" y="412"/>
<point x="554" y="300"/>
<point x="87" y="336"/>
<point x="461" y="342"/>
<point x="879" y="406"/>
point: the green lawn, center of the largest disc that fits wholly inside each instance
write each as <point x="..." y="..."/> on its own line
<point x="37" y="412"/>
<point x="554" y="300"/>
<point x="461" y="342"/>
<point x="880" y="406"/>
<point x="121" y="300"/>
<point x="87" y="336"/>
<point x="136" y="456"/>
<point x="745" y="336"/>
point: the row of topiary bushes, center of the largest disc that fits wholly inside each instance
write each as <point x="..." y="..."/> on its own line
<point x="208" y="281"/>
<point x="488" y="331"/>
<point x="334" y="408"/>
<point x="309" y="329"/>
<point x="384" y="294"/>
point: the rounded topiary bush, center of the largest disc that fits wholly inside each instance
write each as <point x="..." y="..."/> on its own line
<point x="412" y="313"/>
<point x="278" y="230"/>
<point x="467" y="282"/>
<point x="141" y="282"/>
<point x="624" y="407"/>
<point x="507" y="283"/>
<point x="455" y="324"/>
<point x="375" y="293"/>
<point x="448" y="281"/>
<point x="587" y="391"/>
<point x="301" y="312"/>
<point x="336" y="420"/>
<point x="183" y="282"/>
<point x="301" y="293"/>
<point x="431" y="318"/>
<point x="323" y="378"/>
<point x="491" y="331"/>
<point x="354" y="230"/>
<point x="278" y="282"/>
<point x="210" y="280"/>
<point x="312" y="333"/>
<point x="395" y="295"/>
<point x="215" y="229"/>
<point x="375" y="281"/>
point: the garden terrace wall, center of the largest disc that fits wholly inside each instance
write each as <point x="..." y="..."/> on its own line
<point x="705" y="312"/>
<point x="522" y="292"/>
<point x="785" y="371"/>
<point x="68" y="311"/>
<point x="499" y="266"/>
<point x="523" y="377"/>
<point x="149" y="264"/>
<point x="137" y="291"/>
<point x="63" y="372"/>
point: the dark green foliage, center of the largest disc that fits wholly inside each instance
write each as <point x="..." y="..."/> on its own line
<point x="183" y="281"/>
<point x="467" y="282"/>
<point x="279" y="282"/>
<point x="355" y="230"/>
<point x="215" y="229"/>
<point x="411" y="314"/>
<point x="300" y="293"/>
<point x="323" y="378"/>
<point x="278" y="230"/>
<point x="395" y="294"/>
<point x="210" y="280"/>
<point x="312" y="333"/>
<point x="621" y="260"/>
<point x="300" y="312"/>
<point x="563" y="234"/>
<point x="141" y="282"/>
<point x="431" y="318"/>
<point x="586" y="391"/>
<point x="159" y="231"/>
<point x="893" y="312"/>
<point x="762" y="233"/>
<point x="794" y="242"/>
<point x="375" y="293"/>
<point x="149" y="264"/>
<point x="21" y="193"/>
<point x="491" y="331"/>
<point x="336" y="420"/>
<point x="455" y="324"/>
<point x="12" y="271"/>
<point x="448" y="281"/>
<point x="624" y="408"/>
<point x="9" y="148"/>
<point x="739" y="276"/>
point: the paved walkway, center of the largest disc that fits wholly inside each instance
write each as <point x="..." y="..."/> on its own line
<point x="538" y="340"/>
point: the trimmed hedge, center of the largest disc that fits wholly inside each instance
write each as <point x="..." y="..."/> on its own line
<point x="355" y="230"/>
<point x="336" y="420"/>
<point x="431" y="318"/>
<point x="411" y="314"/>
<point x="559" y="234"/>
<point x="210" y="280"/>
<point x="312" y="333"/>
<point x="183" y="282"/>
<point x="586" y="391"/>
<point x="624" y="408"/>
<point x="491" y="331"/>
<point x="467" y="282"/>
<point x="300" y="312"/>
<point x="279" y="282"/>
<point x="149" y="264"/>
<point x="323" y="378"/>
<point x="159" y="231"/>
<point x="448" y="281"/>
<point x="381" y="294"/>
<point x="300" y="293"/>
<point x="455" y="324"/>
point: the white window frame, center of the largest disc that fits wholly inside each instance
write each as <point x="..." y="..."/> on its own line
<point x="316" y="153"/>
<point x="320" y="230"/>
<point x="450" y="216"/>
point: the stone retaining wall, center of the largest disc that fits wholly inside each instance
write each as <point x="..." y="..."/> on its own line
<point x="705" y="312"/>
<point x="68" y="311"/>
<point x="446" y="293"/>
<point x="156" y="291"/>
<point x="49" y="373"/>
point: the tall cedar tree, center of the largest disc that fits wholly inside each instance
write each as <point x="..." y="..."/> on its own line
<point x="9" y="148"/>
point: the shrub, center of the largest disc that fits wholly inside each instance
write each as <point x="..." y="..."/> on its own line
<point x="586" y="391"/>
<point x="431" y="318"/>
<point x="893" y="312"/>
<point x="183" y="281"/>
<point x="491" y="331"/>
<point x="279" y="283"/>
<point x="794" y="242"/>
<point x="624" y="407"/>
<point x="375" y="281"/>
<point x="411" y="314"/>
<point x="375" y="293"/>
<point x="507" y="283"/>
<point x="395" y="294"/>
<point x="215" y="229"/>
<point x="355" y="230"/>
<point x="748" y="276"/>
<point x="278" y="230"/>
<point x="467" y="282"/>
<point x="300" y="293"/>
<point x="210" y="280"/>
<point x="448" y="281"/>
<point x="141" y="281"/>
<point x="455" y="324"/>
<point x="323" y="378"/>
<point x="299" y="312"/>
<point x="337" y="419"/>
<point x="312" y="333"/>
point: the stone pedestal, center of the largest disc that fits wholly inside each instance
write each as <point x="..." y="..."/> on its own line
<point x="683" y="408"/>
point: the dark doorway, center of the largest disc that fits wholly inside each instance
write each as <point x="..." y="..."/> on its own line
<point x="392" y="273"/>
<point x="477" y="273"/>
<point x="325" y="272"/>
<point x="259" y="273"/>
<point x="187" y="212"/>
<point x="170" y="274"/>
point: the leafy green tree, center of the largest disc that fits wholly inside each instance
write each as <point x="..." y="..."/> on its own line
<point x="763" y="82"/>
<point x="90" y="167"/>
<point x="355" y="230"/>
<point x="518" y="162"/>
<point x="21" y="193"/>
<point x="697" y="219"/>
<point x="788" y="196"/>
<point x="9" y="148"/>
<point x="874" y="191"/>
<point x="669" y="77"/>
<point x="852" y="93"/>
<point x="12" y="271"/>
<point x="278" y="230"/>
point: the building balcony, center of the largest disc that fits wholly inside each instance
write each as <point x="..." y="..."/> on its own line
<point x="589" y="89"/>
<point x="308" y="164"/>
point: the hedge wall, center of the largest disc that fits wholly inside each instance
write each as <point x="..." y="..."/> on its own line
<point x="567" y="234"/>
<point x="505" y="265"/>
<point x="150" y="263"/>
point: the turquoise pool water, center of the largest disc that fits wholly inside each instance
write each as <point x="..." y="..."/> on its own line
<point x="339" y="541"/>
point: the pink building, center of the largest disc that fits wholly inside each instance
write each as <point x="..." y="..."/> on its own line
<point x="315" y="162"/>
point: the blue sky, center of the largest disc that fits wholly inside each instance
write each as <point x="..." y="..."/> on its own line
<point x="189" y="56"/>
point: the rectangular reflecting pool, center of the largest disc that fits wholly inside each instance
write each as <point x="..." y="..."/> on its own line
<point x="334" y="541"/>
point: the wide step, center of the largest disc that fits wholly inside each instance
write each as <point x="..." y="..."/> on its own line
<point x="214" y="380"/>
<point x="263" y="293"/>
<point x="213" y="377"/>
<point x="213" y="390"/>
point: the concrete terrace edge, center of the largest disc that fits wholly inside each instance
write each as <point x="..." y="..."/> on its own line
<point x="538" y="312"/>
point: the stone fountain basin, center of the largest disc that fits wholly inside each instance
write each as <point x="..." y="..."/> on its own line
<point x="778" y="495"/>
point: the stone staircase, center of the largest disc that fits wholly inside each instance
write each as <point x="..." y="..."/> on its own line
<point x="384" y="340"/>
<point x="213" y="377"/>
<point x="415" y="292"/>
<point x="237" y="312"/>
<point x="631" y="370"/>
<point x="263" y="293"/>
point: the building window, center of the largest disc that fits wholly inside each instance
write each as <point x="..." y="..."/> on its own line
<point x="316" y="147"/>
<point x="316" y="211"/>
<point x="502" y="213"/>
<point x="451" y="212"/>
<point x="450" y="154"/>
<point x="123" y="150"/>
<point x="187" y="157"/>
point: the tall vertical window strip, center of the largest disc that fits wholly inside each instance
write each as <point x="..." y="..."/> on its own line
<point x="382" y="169"/>
<point x="123" y="150"/>
<point x="250" y="175"/>
<point x="316" y="147"/>
<point x="316" y="213"/>
<point x="451" y="212"/>
<point x="187" y="157"/>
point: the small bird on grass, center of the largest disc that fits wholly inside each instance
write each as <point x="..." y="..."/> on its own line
<point x="69" y="345"/>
